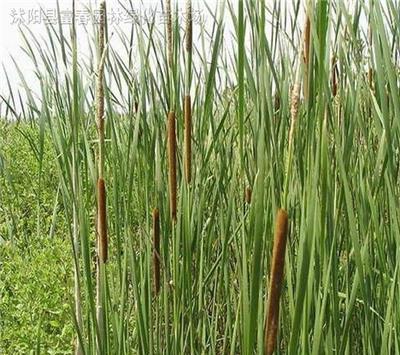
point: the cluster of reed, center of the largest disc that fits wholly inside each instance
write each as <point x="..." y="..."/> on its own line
<point x="213" y="246"/>
<point x="172" y="137"/>
<point x="278" y="256"/>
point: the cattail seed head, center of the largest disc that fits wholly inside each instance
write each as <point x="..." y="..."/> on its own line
<point x="370" y="71"/>
<point x="275" y="284"/>
<point x="188" y="138"/>
<point x="294" y="109"/>
<point x="189" y="26"/>
<point x="172" y="164"/>
<point x="156" y="250"/>
<point x="306" y="44"/>
<point x="169" y="32"/>
<point x="247" y="195"/>
<point x="334" y="77"/>
<point x="277" y="101"/>
<point x="294" y="101"/>
<point x="100" y="74"/>
<point x="102" y="221"/>
<point x="370" y="78"/>
<point x="306" y="55"/>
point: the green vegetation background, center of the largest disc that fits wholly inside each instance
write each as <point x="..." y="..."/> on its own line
<point x="35" y="253"/>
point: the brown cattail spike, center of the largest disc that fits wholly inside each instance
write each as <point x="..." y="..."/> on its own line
<point x="169" y="32"/>
<point x="278" y="262"/>
<point x="102" y="221"/>
<point x="370" y="72"/>
<point x="307" y="34"/>
<point x="172" y="164"/>
<point x="294" y="110"/>
<point x="100" y="74"/>
<point x="370" y="78"/>
<point x="189" y="26"/>
<point x="247" y="195"/>
<point x="334" y="77"/>
<point x="306" y="55"/>
<point x="156" y="250"/>
<point x="188" y="139"/>
<point x="277" y="101"/>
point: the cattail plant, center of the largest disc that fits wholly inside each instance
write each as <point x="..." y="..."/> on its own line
<point x="295" y="98"/>
<point x="370" y="72"/>
<point x="277" y="101"/>
<point x="334" y="77"/>
<point x="188" y="138"/>
<point x="169" y="34"/>
<point x="156" y="250"/>
<point x="275" y="283"/>
<point x="187" y="101"/>
<point x="294" y="110"/>
<point x="306" y="55"/>
<point x="102" y="247"/>
<point x="102" y="221"/>
<point x="75" y="190"/>
<point x="247" y="195"/>
<point x="171" y="137"/>
<point x="216" y="284"/>
<point x="189" y="27"/>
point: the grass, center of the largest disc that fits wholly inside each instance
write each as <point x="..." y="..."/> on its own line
<point x="35" y="308"/>
<point x="329" y="159"/>
<point x="35" y="257"/>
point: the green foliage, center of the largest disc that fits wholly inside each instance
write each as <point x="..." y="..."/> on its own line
<point x="35" y="257"/>
<point x="28" y="183"/>
<point x="35" y="298"/>
<point x="340" y="187"/>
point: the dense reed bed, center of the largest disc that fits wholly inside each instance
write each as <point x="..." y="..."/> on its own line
<point x="203" y="132"/>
